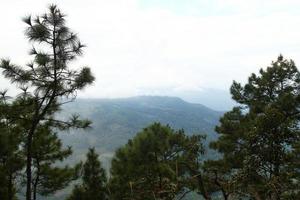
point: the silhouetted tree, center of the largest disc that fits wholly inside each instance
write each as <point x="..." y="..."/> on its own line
<point x="155" y="164"/>
<point x="94" y="180"/>
<point x="259" y="140"/>
<point x="47" y="81"/>
<point x="11" y="155"/>
<point x="47" y="150"/>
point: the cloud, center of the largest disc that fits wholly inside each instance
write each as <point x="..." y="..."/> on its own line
<point x="135" y="49"/>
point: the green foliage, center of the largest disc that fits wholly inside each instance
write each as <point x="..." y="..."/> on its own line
<point x="259" y="139"/>
<point x="78" y="193"/>
<point x="48" y="81"/>
<point x="155" y="164"/>
<point x="11" y="156"/>
<point x="94" y="180"/>
<point x="47" y="150"/>
<point x="120" y="119"/>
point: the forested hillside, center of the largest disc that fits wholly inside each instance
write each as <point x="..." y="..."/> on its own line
<point x="117" y="120"/>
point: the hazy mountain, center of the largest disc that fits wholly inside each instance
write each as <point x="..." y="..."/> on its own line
<point x="216" y="99"/>
<point x="117" y="120"/>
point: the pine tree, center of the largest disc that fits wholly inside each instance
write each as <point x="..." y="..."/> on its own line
<point x="94" y="180"/>
<point x="11" y="156"/>
<point x="47" y="151"/>
<point x="155" y="164"/>
<point x="220" y="175"/>
<point x="47" y="81"/>
<point x="259" y="140"/>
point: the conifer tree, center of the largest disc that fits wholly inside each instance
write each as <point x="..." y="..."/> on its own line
<point x="48" y="82"/>
<point x="155" y="165"/>
<point x="11" y="156"/>
<point x="259" y="140"/>
<point x="47" y="151"/>
<point x="94" y="180"/>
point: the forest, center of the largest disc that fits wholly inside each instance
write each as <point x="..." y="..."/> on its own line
<point x="256" y="151"/>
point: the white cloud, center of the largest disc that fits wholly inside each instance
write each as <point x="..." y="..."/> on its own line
<point x="142" y="51"/>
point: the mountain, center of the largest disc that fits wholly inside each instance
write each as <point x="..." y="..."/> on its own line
<point x="117" y="120"/>
<point x="214" y="98"/>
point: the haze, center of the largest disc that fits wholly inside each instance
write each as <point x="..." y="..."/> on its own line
<point x="160" y="47"/>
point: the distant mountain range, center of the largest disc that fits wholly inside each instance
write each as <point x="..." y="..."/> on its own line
<point x="216" y="99"/>
<point x="117" y="120"/>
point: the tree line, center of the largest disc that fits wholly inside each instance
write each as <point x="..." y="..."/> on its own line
<point x="258" y="141"/>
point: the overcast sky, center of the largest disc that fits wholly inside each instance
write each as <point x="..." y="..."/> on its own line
<point x="137" y="47"/>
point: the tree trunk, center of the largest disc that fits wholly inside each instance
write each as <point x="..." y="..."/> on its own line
<point x="10" y="188"/>
<point x="28" y="165"/>
<point x="202" y="188"/>
<point x="225" y="196"/>
<point x="36" y="180"/>
<point x="34" y="192"/>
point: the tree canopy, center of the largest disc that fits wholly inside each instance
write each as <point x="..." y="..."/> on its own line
<point x="94" y="180"/>
<point x="47" y="82"/>
<point x="154" y="164"/>
<point x="260" y="139"/>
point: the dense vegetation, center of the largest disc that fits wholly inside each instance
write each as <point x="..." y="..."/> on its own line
<point x="164" y="158"/>
<point x="259" y="140"/>
<point x="46" y="83"/>
<point x="93" y="180"/>
<point x="258" y="144"/>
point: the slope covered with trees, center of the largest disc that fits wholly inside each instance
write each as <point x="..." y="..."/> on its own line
<point x="115" y="121"/>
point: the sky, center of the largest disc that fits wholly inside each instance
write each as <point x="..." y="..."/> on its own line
<point x="164" y="47"/>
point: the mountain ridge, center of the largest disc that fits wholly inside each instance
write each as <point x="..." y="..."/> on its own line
<point x="117" y="120"/>
<point x="146" y="98"/>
